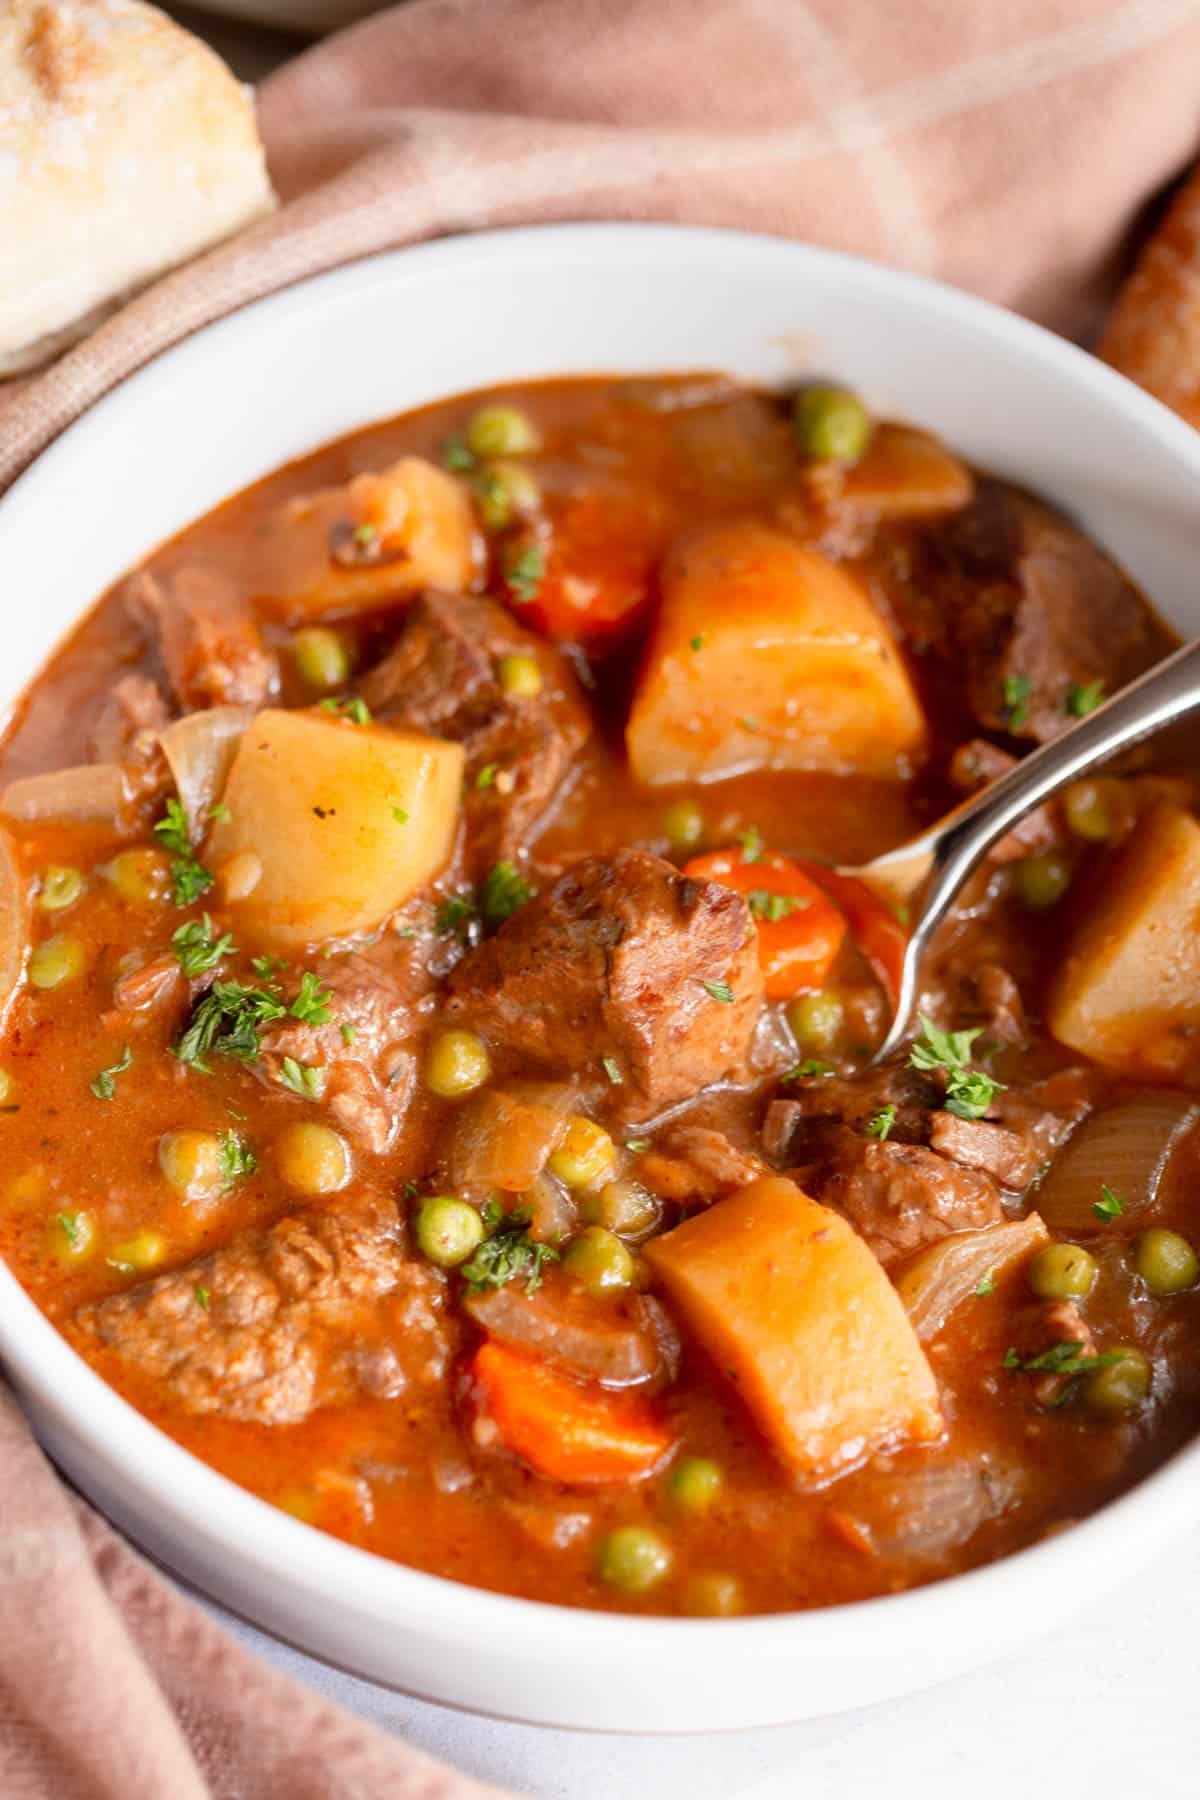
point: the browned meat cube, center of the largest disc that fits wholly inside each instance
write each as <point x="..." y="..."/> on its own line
<point x="321" y="1308"/>
<point x="207" y="636"/>
<point x="1005" y="1155"/>
<point x="442" y="676"/>
<point x="899" y="1196"/>
<point x="1030" y="608"/>
<point x="623" y="961"/>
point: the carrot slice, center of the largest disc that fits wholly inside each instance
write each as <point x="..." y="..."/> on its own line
<point x="562" y="1429"/>
<point x="596" y="571"/>
<point x="879" y="934"/>
<point x="800" y="930"/>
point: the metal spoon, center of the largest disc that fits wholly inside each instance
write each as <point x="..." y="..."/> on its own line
<point x="928" y="871"/>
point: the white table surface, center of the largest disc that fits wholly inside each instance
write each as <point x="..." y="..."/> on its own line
<point x="1108" y="1704"/>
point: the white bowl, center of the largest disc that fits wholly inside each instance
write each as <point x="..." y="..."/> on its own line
<point x="279" y="378"/>
<point x="295" y="15"/>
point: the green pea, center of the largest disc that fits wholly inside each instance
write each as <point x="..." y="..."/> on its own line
<point x="448" y="1230"/>
<point x="1062" y="1272"/>
<point x="599" y="1260"/>
<point x="831" y="424"/>
<point x="501" y="431"/>
<point x="1042" y="880"/>
<point x="458" y="1062"/>
<point x="816" y="1019"/>
<point x="1087" y="812"/>
<point x="1120" y="1387"/>
<point x="322" y="658"/>
<point x="54" y="961"/>
<point x="520" y="677"/>
<point x="505" y="491"/>
<point x="623" y="1206"/>
<point x="60" y="888"/>
<point x="713" y="1595"/>
<point x="1165" y="1261"/>
<point x="683" y="823"/>
<point x="632" y="1559"/>
<point x="586" y="1157"/>
<point x="694" y="1484"/>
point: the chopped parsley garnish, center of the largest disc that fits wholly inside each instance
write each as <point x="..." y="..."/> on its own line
<point x="226" y="1022"/>
<point x="748" y="722"/>
<point x="104" y="1085"/>
<point x="751" y="841"/>
<point x="811" y="1065"/>
<point x="486" y="777"/>
<point x="311" y="1005"/>
<point x="237" y="1158"/>
<point x="302" y="1078"/>
<point x="1084" y="697"/>
<point x="202" y="1296"/>
<point x="719" y="990"/>
<point x="504" y="892"/>
<point x="508" y="1253"/>
<point x="349" y="1032"/>
<point x="1060" y="1359"/>
<point x="1017" y="689"/>
<point x="523" y="572"/>
<point x="347" y="706"/>
<point x="612" y="1069"/>
<point x="455" y="917"/>
<point x="1109" y="1206"/>
<point x="72" y="1228"/>
<point x="189" y="878"/>
<point x="635" y="1146"/>
<point x="196" y="947"/>
<point x="773" y="907"/>
<point x="400" y="816"/>
<point x="985" y="1286"/>
<point x="698" y="641"/>
<point x="220" y="813"/>
<point x="880" y="1126"/>
<point x="266" y="966"/>
<point x="969" y="1092"/>
<point x="456" y="456"/>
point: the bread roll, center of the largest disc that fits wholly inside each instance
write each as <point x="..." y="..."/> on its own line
<point x="126" y="147"/>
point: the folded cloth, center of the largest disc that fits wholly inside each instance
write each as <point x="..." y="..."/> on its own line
<point x="1006" y="148"/>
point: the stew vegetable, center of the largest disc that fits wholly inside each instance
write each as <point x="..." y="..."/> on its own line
<point x="435" y="1075"/>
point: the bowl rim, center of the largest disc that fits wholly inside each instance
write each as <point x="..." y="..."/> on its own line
<point x="210" y="1506"/>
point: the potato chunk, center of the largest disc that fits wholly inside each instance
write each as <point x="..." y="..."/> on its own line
<point x="768" y="655"/>
<point x="380" y="537"/>
<point x="907" y="474"/>
<point x="347" y="821"/>
<point x="791" y="1304"/>
<point x="1128" y="991"/>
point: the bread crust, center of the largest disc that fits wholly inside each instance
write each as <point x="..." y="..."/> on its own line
<point x="1153" y="332"/>
<point x="126" y="147"/>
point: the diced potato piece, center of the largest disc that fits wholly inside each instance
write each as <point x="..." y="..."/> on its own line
<point x="766" y="654"/>
<point x="907" y="474"/>
<point x="347" y="821"/>
<point x="793" y="1306"/>
<point x="1128" y="992"/>
<point x="381" y="537"/>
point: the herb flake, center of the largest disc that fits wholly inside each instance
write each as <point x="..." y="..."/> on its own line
<point x="198" y="948"/>
<point x="1110" y="1206"/>
<point x="880" y="1126"/>
<point x="507" y="1253"/>
<point x="104" y="1085"/>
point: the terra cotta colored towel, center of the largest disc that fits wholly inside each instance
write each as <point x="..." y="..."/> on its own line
<point x="1007" y="147"/>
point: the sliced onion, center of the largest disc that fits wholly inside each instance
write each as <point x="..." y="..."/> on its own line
<point x="949" y="1271"/>
<point x="929" y="1507"/>
<point x="503" y="1136"/>
<point x="1125" y="1148"/>
<point x="199" y="749"/>
<point x="14" y="925"/>
<point x="552" y="1213"/>
<point x="93" y="794"/>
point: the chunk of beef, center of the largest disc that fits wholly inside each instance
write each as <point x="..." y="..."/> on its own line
<point x="695" y="1164"/>
<point x="624" y="1341"/>
<point x="622" y="961"/>
<point x="130" y="720"/>
<point x="379" y="1006"/>
<point x="442" y="676"/>
<point x="900" y="1197"/>
<point x="1024" y="598"/>
<point x="319" y="1309"/>
<point x="206" y="635"/>
<point x="974" y="766"/>
<point x="852" y="1100"/>
<point x="1007" y="1156"/>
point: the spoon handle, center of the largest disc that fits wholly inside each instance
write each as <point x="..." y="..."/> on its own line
<point x="1165" y="693"/>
